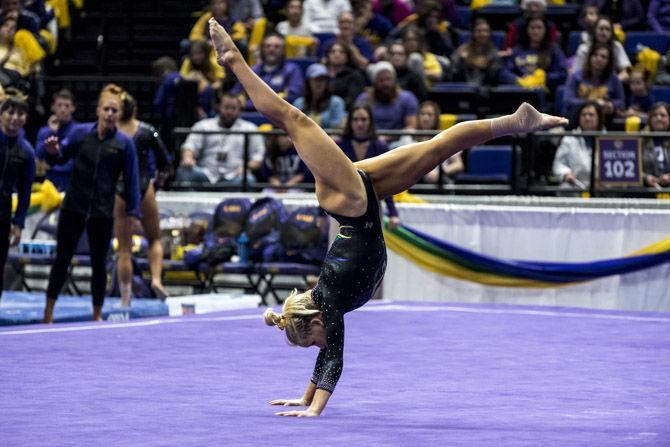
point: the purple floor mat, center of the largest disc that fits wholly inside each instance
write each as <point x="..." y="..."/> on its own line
<point x="414" y="375"/>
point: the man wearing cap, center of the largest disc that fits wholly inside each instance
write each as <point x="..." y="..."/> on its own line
<point x="392" y="107"/>
<point x="285" y="78"/>
<point x="326" y="109"/>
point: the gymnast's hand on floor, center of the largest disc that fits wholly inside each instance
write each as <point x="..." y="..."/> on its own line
<point x="290" y="402"/>
<point x="223" y="43"/>
<point x="308" y="413"/>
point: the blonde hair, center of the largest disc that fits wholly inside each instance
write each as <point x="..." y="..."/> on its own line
<point x="297" y="313"/>
<point x="113" y="90"/>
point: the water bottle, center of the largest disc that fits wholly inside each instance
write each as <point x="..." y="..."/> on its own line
<point x="243" y="247"/>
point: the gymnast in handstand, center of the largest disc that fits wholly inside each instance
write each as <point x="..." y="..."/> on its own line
<point x="350" y="192"/>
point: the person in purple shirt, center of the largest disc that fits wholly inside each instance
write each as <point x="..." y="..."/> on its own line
<point x="359" y="142"/>
<point x="596" y="81"/>
<point x="658" y="15"/>
<point x="285" y="78"/>
<point x="60" y="122"/>
<point x="362" y="52"/>
<point x="535" y="50"/>
<point x="101" y="154"/>
<point x="392" y="107"/>
<point x="17" y="170"/>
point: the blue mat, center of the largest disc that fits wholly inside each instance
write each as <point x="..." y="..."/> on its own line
<point x="28" y="308"/>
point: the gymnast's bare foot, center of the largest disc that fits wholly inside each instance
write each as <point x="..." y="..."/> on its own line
<point x="526" y="119"/>
<point x="97" y="313"/>
<point x="159" y="290"/>
<point x="225" y="48"/>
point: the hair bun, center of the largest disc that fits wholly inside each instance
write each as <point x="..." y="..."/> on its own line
<point x="272" y="318"/>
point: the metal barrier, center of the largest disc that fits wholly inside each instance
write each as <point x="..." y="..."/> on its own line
<point x="524" y="149"/>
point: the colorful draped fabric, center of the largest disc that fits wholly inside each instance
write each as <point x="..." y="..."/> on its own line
<point x="448" y="259"/>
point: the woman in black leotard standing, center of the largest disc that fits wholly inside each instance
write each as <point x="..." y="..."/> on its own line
<point x="152" y="158"/>
<point x="349" y="192"/>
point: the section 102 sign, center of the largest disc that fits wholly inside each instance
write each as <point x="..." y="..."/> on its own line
<point x="618" y="161"/>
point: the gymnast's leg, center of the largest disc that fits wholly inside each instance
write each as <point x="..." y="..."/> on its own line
<point x="339" y="188"/>
<point x="124" y="237"/>
<point x="399" y="169"/>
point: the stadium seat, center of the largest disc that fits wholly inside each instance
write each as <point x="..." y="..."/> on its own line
<point x="507" y="98"/>
<point x="456" y="97"/>
<point x="558" y="100"/>
<point x="656" y="41"/>
<point x="498" y="38"/>
<point x="303" y="62"/>
<point x="498" y="17"/>
<point x="464" y="13"/>
<point x="254" y="117"/>
<point x="574" y="40"/>
<point x="487" y="164"/>
<point x="323" y="39"/>
<point x="659" y="93"/>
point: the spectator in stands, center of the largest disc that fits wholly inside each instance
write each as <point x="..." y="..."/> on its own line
<point x="536" y="61"/>
<point x="18" y="161"/>
<point x="373" y="26"/>
<point x="48" y="34"/>
<point x="394" y="10"/>
<point x="429" y="119"/>
<point x="61" y="124"/>
<point x="656" y="153"/>
<point x="407" y="78"/>
<point x="359" y="142"/>
<point x="438" y="34"/>
<point x="477" y="60"/>
<point x="572" y="163"/>
<point x="448" y="12"/>
<point x="658" y="15"/>
<point x="300" y="41"/>
<point x="247" y="11"/>
<point x="392" y="107"/>
<point x="154" y="168"/>
<point x="294" y="25"/>
<point x="321" y="15"/>
<point x="532" y="9"/>
<point x="638" y="99"/>
<point x="282" y="76"/>
<point x="282" y="166"/>
<point x="603" y="33"/>
<point x="101" y="154"/>
<point x="627" y="14"/>
<point x="319" y="103"/>
<point x="420" y="59"/>
<point x="346" y="81"/>
<point x="198" y="67"/>
<point x="361" y="50"/>
<point x="221" y="10"/>
<point x="25" y="19"/>
<point x="164" y="69"/>
<point x="219" y="158"/>
<point x="596" y="81"/>
<point x="588" y="17"/>
<point x="15" y="64"/>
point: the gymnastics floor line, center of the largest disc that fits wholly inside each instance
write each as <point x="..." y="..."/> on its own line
<point x="415" y="374"/>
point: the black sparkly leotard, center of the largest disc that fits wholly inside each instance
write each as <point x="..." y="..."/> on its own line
<point x="351" y="273"/>
<point x="152" y="155"/>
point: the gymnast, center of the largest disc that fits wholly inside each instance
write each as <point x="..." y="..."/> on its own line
<point x="152" y="157"/>
<point x="355" y="263"/>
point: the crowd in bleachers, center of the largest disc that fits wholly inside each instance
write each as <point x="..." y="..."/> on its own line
<point x="460" y="59"/>
<point x="327" y="56"/>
